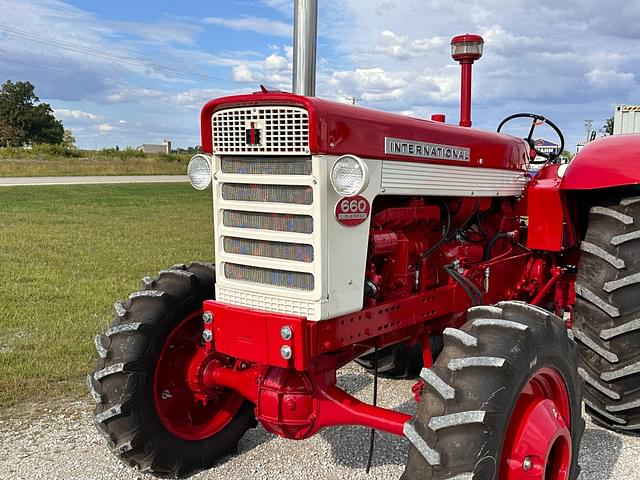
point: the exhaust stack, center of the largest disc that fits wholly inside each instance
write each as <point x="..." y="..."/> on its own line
<point x="466" y="49"/>
<point x="305" y="36"/>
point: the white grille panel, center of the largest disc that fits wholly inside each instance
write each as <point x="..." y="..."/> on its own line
<point x="270" y="303"/>
<point x="280" y="130"/>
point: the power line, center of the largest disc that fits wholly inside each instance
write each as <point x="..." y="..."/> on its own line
<point x="49" y="68"/>
<point x="50" y="41"/>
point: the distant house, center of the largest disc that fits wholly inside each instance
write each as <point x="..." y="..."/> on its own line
<point x="164" y="148"/>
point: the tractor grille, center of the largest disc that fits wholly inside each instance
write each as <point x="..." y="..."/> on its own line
<point x="268" y="276"/>
<point x="268" y="221"/>
<point x="279" y="130"/>
<point x="267" y="166"/>
<point x="265" y="212"/>
<point x="262" y="248"/>
<point x="268" y="193"/>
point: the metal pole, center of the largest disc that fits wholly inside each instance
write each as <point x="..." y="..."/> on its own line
<point x="465" y="93"/>
<point x="305" y="34"/>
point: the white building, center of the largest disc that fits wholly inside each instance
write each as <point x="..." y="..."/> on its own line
<point x="164" y="148"/>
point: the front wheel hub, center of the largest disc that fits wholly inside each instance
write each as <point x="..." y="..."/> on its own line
<point x="183" y="408"/>
<point x="538" y="441"/>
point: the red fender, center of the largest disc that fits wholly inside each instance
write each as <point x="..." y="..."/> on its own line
<point x="608" y="162"/>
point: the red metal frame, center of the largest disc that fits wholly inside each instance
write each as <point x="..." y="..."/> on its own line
<point x="262" y="343"/>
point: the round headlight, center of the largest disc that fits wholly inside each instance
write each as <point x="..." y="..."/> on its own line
<point x="349" y="175"/>
<point x="199" y="171"/>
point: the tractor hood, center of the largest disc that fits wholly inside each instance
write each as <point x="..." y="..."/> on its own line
<point x="338" y="129"/>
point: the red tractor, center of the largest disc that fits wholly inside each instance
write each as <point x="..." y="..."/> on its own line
<point x="415" y="246"/>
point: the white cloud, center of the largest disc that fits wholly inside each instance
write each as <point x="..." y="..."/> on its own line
<point x="284" y="6"/>
<point x="403" y="47"/>
<point x="253" y="24"/>
<point x="132" y="94"/>
<point x="105" y="128"/>
<point x="275" y="62"/>
<point x="608" y="79"/>
<point x="77" y="115"/>
<point x="274" y="71"/>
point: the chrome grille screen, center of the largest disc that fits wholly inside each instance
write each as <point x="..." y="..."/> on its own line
<point x="268" y="221"/>
<point x="268" y="193"/>
<point x="260" y="248"/>
<point x="277" y="129"/>
<point x="267" y="166"/>
<point x="268" y="276"/>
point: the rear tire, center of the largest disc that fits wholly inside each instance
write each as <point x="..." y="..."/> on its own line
<point x="480" y="394"/>
<point x="607" y="315"/>
<point x="124" y="384"/>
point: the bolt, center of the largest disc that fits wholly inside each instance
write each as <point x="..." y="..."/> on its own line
<point x="527" y="464"/>
<point x="207" y="317"/>
<point x="285" y="352"/>
<point x="286" y="333"/>
<point x="207" y="335"/>
<point x="166" y="394"/>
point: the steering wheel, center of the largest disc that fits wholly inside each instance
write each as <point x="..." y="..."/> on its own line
<point x="536" y="121"/>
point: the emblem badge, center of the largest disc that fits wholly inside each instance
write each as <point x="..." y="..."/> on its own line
<point x="352" y="211"/>
<point x="252" y="134"/>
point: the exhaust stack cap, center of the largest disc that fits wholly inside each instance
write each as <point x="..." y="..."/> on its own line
<point x="467" y="47"/>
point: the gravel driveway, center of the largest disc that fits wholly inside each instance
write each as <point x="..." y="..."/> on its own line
<point x="59" y="442"/>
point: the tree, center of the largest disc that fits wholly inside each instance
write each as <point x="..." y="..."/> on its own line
<point x="23" y="119"/>
<point x="608" y="126"/>
<point x="68" y="140"/>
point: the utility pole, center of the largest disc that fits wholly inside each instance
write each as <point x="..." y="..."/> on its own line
<point x="588" y="123"/>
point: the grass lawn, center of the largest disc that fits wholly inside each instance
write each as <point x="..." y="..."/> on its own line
<point x="33" y="167"/>
<point x="66" y="254"/>
<point x="55" y="160"/>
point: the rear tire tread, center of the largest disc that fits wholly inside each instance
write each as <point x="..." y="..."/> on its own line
<point x="607" y="314"/>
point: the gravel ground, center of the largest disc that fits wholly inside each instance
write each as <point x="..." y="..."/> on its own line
<point x="59" y="442"/>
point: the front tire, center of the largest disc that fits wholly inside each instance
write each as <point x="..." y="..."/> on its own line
<point x="607" y="315"/>
<point x="144" y="407"/>
<point x="502" y="401"/>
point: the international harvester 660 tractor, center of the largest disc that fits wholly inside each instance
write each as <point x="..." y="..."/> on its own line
<point x="344" y="233"/>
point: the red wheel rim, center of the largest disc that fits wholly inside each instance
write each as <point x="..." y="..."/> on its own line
<point x="181" y="410"/>
<point x="538" y="441"/>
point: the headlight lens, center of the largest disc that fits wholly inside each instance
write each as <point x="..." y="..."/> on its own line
<point x="349" y="176"/>
<point x="199" y="171"/>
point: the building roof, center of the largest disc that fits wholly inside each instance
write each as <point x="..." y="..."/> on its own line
<point x="542" y="142"/>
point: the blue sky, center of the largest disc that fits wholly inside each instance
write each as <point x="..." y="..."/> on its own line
<point x="127" y="73"/>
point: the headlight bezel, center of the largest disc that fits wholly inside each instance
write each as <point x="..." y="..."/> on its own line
<point x="363" y="183"/>
<point x="199" y="157"/>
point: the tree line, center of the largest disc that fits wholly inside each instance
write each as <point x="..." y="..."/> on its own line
<point x="24" y="120"/>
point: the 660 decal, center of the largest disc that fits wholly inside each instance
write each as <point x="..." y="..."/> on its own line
<point x="352" y="211"/>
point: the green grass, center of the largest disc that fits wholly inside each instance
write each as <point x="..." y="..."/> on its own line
<point x="66" y="254"/>
<point x="54" y="160"/>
